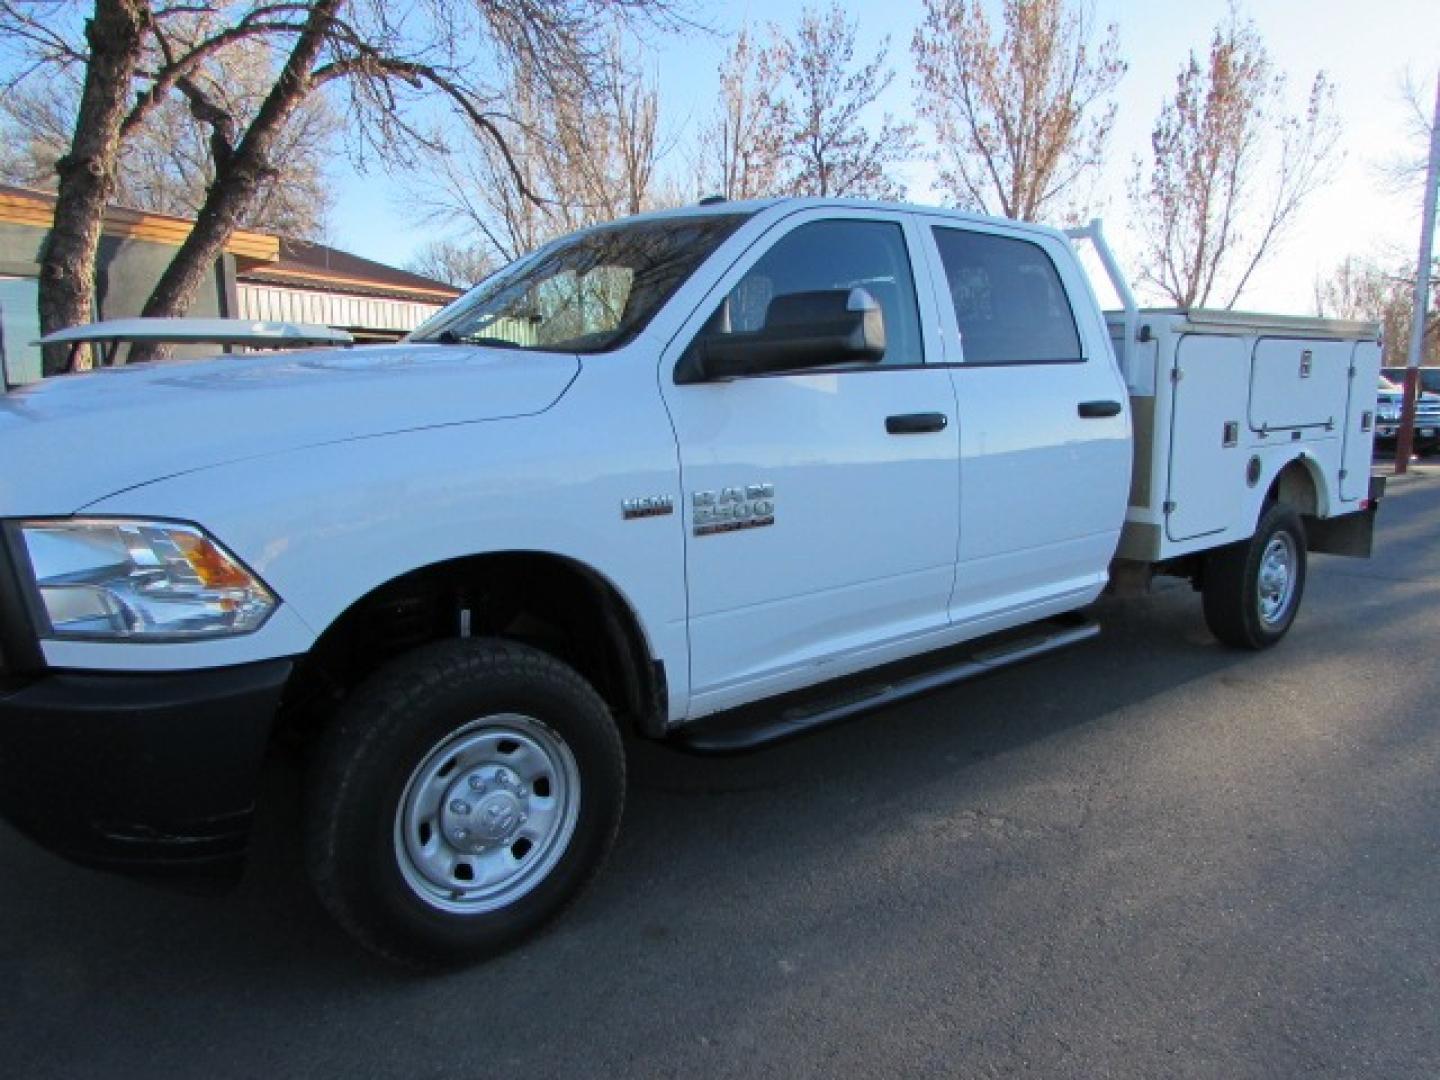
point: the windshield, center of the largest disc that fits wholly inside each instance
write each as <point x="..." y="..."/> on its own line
<point x="586" y="293"/>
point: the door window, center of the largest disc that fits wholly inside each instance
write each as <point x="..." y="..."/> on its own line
<point x="825" y="256"/>
<point x="1009" y="303"/>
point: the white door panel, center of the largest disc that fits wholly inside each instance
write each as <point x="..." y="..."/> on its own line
<point x="1206" y="459"/>
<point x="1044" y="462"/>
<point x="1360" y="421"/>
<point x="858" y="550"/>
<point x="1043" y="490"/>
<point x="863" y="540"/>
<point x="1298" y="382"/>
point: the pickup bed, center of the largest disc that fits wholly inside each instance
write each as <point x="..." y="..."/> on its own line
<point x="717" y="476"/>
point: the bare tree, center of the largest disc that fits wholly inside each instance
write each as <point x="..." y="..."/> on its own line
<point x="470" y="182"/>
<point x="1230" y="169"/>
<point x="458" y="264"/>
<point x="1363" y="289"/>
<point x="572" y="153"/>
<point x="831" y="148"/>
<point x="742" y="148"/>
<point x="604" y="148"/>
<point x="1020" y="122"/>
<point x="379" y="60"/>
<point x="166" y="165"/>
<point x="1406" y="169"/>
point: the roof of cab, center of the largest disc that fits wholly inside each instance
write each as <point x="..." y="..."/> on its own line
<point x="795" y="203"/>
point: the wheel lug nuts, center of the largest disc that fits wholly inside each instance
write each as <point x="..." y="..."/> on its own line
<point x="459" y="835"/>
<point x="476" y="783"/>
<point x="459" y="806"/>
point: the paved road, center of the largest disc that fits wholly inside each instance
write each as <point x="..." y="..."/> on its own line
<point x="1146" y="857"/>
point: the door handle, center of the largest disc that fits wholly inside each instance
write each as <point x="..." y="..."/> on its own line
<point x="1092" y="410"/>
<point x="916" y="423"/>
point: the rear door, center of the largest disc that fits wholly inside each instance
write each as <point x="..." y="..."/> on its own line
<point x="821" y="508"/>
<point x="1044" y="422"/>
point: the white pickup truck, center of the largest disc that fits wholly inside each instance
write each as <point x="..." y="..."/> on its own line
<point x="715" y="476"/>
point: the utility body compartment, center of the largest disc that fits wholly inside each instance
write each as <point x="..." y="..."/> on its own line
<point x="1296" y="382"/>
<point x="1227" y="401"/>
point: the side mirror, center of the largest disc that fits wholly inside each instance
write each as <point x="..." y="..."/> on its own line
<point x="802" y="330"/>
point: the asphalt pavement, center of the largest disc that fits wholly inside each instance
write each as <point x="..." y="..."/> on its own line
<point x="1146" y="857"/>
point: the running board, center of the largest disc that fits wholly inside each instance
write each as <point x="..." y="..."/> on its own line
<point x="732" y="737"/>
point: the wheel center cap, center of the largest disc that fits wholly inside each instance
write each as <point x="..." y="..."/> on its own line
<point x="496" y="816"/>
<point x="482" y="810"/>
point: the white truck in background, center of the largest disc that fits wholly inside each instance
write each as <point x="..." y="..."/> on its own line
<point x="718" y="476"/>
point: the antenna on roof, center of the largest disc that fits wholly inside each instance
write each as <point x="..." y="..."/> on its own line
<point x="711" y="200"/>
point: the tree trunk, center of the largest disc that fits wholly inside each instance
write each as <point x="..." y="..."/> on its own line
<point x="240" y="179"/>
<point x="87" y="173"/>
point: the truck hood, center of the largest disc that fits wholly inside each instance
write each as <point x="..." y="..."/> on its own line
<point x="68" y="441"/>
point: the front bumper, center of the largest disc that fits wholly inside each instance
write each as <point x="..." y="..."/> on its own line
<point x="142" y="773"/>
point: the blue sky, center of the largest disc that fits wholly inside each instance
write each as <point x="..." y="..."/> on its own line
<point x="1364" y="47"/>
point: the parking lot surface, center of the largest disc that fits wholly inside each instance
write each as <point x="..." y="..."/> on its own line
<point x="1149" y="856"/>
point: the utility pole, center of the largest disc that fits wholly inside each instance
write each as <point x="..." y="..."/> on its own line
<point x="1405" y="444"/>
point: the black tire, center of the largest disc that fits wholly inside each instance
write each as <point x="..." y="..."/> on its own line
<point x="1235" y="607"/>
<point x="403" y="720"/>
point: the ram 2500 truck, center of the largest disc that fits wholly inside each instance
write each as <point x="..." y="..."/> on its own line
<point x="716" y="476"/>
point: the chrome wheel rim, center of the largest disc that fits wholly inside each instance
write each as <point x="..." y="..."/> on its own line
<point x="487" y="814"/>
<point x="1276" y="584"/>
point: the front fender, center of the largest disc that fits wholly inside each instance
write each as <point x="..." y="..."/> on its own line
<point x="328" y="525"/>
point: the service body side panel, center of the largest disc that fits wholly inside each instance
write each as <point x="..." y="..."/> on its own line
<point x="1207" y="460"/>
<point x="1287" y="384"/>
<point x="1360" y="421"/>
<point x="1299" y="383"/>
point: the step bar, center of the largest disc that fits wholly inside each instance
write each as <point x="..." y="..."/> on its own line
<point x="791" y="723"/>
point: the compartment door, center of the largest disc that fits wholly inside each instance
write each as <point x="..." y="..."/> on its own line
<point x="1298" y="383"/>
<point x="1207" y="463"/>
<point x="1360" y="436"/>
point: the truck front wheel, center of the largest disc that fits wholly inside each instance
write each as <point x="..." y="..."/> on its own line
<point x="464" y="795"/>
<point x="1252" y="589"/>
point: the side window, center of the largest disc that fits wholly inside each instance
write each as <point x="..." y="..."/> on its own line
<point x="1009" y="303"/>
<point x="829" y="255"/>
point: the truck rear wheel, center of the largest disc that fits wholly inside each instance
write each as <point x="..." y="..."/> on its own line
<point x="1252" y="589"/>
<point x="463" y="797"/>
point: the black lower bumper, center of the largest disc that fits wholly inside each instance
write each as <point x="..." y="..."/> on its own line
<point x="152" y="774"/>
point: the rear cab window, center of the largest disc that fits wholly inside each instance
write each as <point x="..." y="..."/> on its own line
<point x="1010" y="306"/>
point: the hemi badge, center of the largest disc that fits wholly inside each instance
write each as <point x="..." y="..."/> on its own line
<point x="651" y="506"/>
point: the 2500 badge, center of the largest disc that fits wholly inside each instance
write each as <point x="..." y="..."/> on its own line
<point x="733" y="508"/>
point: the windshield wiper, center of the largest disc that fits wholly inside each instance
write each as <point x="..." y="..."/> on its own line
<point x="449" y="337"/>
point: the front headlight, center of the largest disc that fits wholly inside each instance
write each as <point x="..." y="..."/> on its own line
<point x="102" y="578"/>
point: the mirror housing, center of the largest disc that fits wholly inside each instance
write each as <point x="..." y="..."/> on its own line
<point x="801" y="331"/>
